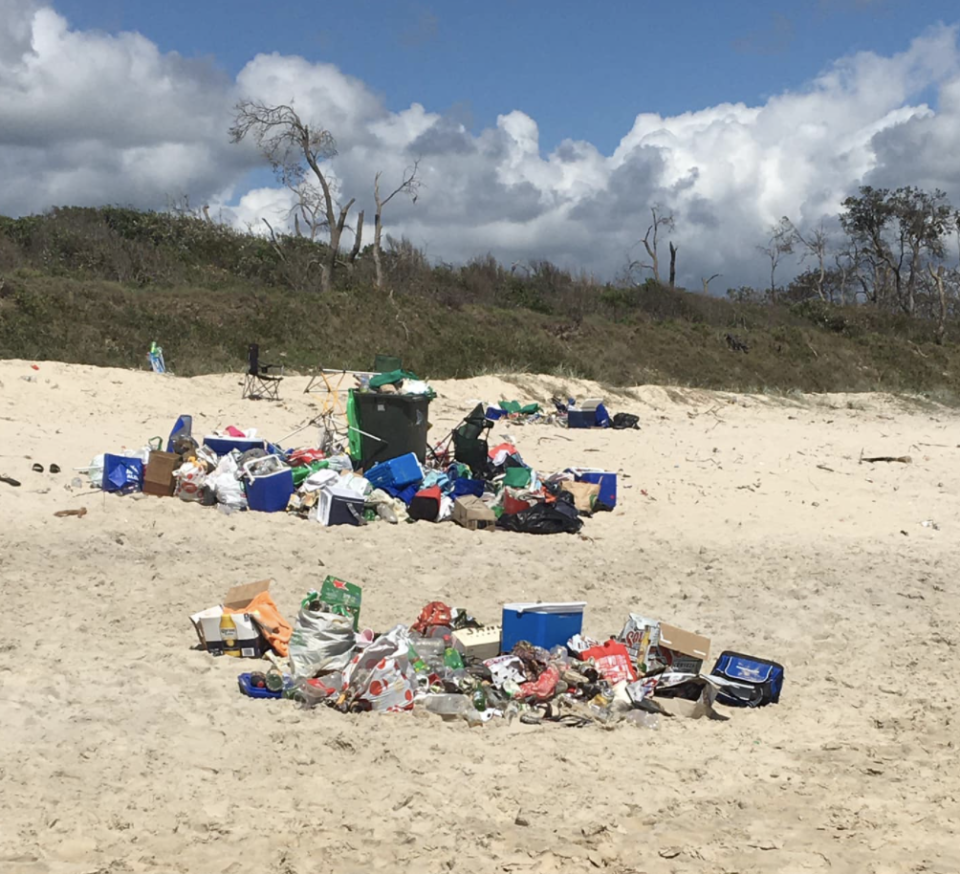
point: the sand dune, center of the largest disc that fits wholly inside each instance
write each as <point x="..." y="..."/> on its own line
<point x="745" y="518"/>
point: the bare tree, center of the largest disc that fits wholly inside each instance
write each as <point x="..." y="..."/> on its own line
<point x="815" y="244"/>
<point x="706" y="280"/>
<point x="673" y="265"/>
<point x="410" y="184"/>
<point x="779" y="244"/>
<point x="295" y="152"/>
<point x="650" y="242"/>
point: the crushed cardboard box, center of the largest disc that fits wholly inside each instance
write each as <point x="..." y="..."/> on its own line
<point x="657" y="645"/>
<point x="688" y="695"/>
<point x="471" y="513"/>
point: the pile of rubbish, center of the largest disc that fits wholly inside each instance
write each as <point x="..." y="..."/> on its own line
<point x="589" y="413"/>
<point x="535" y="665"/>
<point x="386" y="471"/>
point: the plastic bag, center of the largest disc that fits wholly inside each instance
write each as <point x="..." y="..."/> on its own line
<point x="320" y="642"/>
<point x="190" y="476"/>
<point x="95" y="472"/>
<point x="225" y="484"/>
<point x="381" y="677"/>
<point x="557" y="518"/>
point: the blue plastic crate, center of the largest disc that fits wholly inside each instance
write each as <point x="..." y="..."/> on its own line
<point x="545" y="625"/>
<point x="608" y="486"/>
<point x="396" y="473"/>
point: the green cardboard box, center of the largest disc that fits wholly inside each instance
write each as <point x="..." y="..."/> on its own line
<point x="343" y="598"/>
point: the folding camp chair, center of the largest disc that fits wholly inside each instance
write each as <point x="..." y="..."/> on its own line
<point x="258" y="383"/>
<point x="470" y="446"/>
<point x="329" y="386"/>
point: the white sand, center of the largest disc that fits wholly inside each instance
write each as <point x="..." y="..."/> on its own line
<point x="123" y="750"/>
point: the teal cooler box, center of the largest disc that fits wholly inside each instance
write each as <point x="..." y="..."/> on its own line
<point x="546" y="625"/>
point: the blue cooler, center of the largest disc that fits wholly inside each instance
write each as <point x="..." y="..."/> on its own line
<point x="581" y="418"/>
<point x="270" y="493"/>
<point x="608" y="486"/>
<point x="396" y="473"/>
<point x="545" y="625"/>
<point x="225" y="445"/>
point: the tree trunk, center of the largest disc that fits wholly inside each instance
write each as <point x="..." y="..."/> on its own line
<point x="937" y="276"/>
<point x="377" y="230"/>
<point x="357" y="240"/>
<point x="673" y="265"/>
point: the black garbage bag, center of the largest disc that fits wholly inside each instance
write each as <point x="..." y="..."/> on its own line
<point x="622" y="421"/>
<point x="560" y="517"/>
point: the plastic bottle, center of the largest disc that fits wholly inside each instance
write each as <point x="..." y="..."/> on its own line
<point x="643" y="719"/>
<point x="429" y="648"/>
<point x="419" y="665"/>
<point x="228" y="633"/>
<point x="451" y="658"/>
<point x="446" y="705"/>
<point x="386" y="512"/>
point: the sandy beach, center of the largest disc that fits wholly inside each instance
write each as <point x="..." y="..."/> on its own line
<point x="749" y="519"/>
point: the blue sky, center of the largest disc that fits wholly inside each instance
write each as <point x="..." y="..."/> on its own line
<point x="544" y="130"/>
<point x="582" y="70"/>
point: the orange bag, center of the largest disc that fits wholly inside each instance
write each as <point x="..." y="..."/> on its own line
<point x="273" y="626"/>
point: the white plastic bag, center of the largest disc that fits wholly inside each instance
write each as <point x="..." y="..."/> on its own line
<point x="95" y="472"/>
<point x="320" y="642"/>
<point x="225" y="484"/>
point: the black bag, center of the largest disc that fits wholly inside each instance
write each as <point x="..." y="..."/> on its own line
<point x="622" y="421"/>
<point x="560" y="517"/>
<point x="752" y="682"/>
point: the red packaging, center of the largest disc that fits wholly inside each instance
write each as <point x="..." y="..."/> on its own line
<point x="613" y="661"/>
<point x="543" y="688"/>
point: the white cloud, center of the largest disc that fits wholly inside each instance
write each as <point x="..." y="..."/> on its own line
<point x="96" y="118"/>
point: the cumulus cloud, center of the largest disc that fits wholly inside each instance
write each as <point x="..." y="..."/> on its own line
<point x="91" y="118"/>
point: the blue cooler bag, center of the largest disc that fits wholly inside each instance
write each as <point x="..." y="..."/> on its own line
<point x="750" y="682"/>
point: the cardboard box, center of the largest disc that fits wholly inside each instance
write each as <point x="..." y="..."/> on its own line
<point x="207" y="622"/>
<point x="343" y="598"/>
<point x="585" y="495"/>
<point x="480" y="643"/>
<point x="657" y="645"/>
<point x="471" y="513"/>
<point x="687" y="695"/>
<point x="158" y="476"/>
